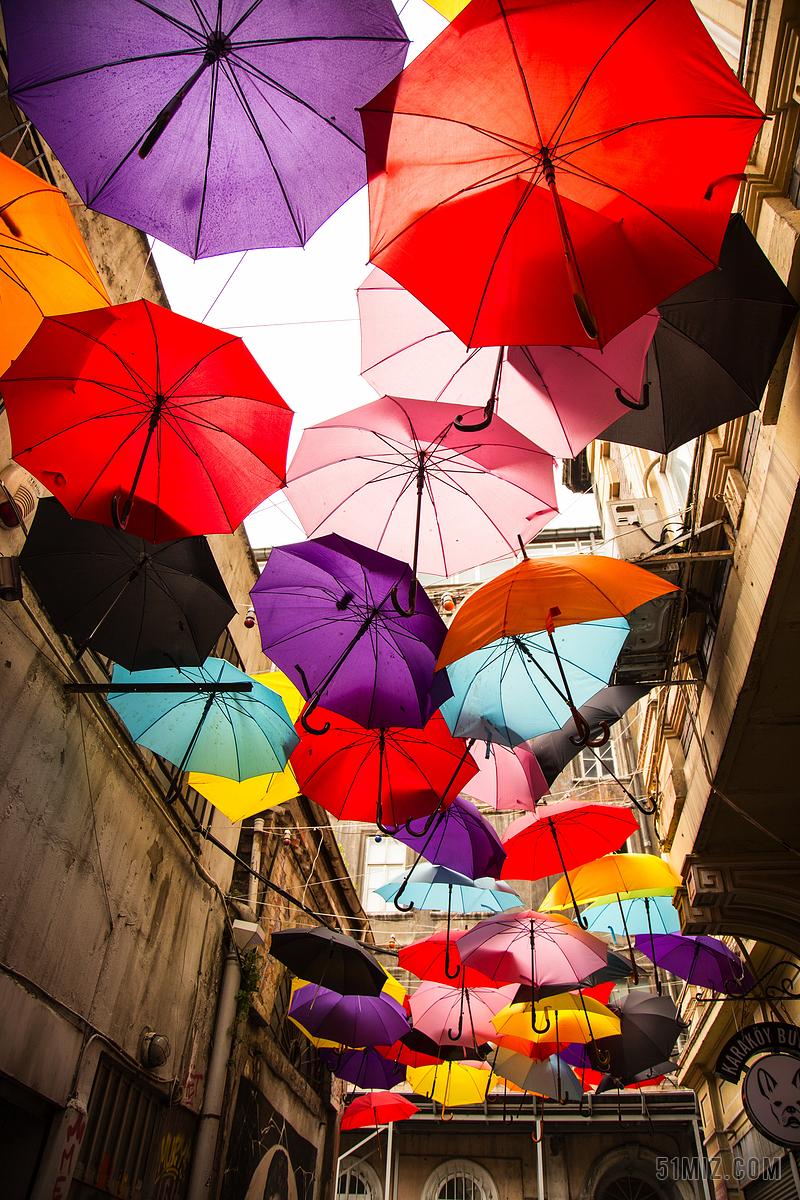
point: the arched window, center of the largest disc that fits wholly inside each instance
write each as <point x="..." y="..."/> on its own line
<point x="629" y="1187"/>
<point x="355" y="1184"/>
<point x="459" y="1179"/>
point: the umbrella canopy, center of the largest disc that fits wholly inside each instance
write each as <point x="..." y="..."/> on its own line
<point x="512" y="689"/>
<point x="402" y="477"/>
<point x="585" y="153"/>
<point x="264" y="141"/>
<point x="136" y="416"/>
<point x="552" y="1078"/>
<point x="556" y="395"/>
<point x="462" y="1016"/>
<point x="452" y="1084"/>
<point x="241" y="800"/>
<point x="354" y="1020"/>
<point x="236" y="734"/>
<point x="44" y="261"/>
<point x="508" y="778"/>
<point x="413" y="1049"/>
<point x="623" y="876"/>
<point x="567" y="1017"/>
<point x="426" y="959"/>
<point x="144" y="606"/>
<point x="554" y="750"/>
<point x="649" y="1028"/>
<point x="384" y="775"/>
<point x="562" y="836"/>
<point x="327" y="619"/>
<point x="583" y="587"/>
<point x="325" y="956"/>
<point x="702" y="960"/>
<point x="532" y="948"/>
<point x="378" y="1108"/>
<point x="716" y="344"/>
<point x="461" y="839"/>
<point x="640" y="915"/>
<point x="432" y="886"/>
<point x="366" y="1068"/>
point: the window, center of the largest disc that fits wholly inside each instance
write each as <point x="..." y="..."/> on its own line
<point x="385" y="858"/>
<point x="630" y="1188"/>
<point x="459" y="1179"/>
<point x="301" y="1053"/>
<point x="749" y="443"/>
<point x="592" y="764"/>
<point x="353" y="1182"/>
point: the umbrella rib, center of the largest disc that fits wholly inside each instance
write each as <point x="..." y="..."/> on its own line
<point x="212" y="110"/>
<point x="520" y="71"/>
<point x="120" y="62"/>
<point x="159" y="12"/>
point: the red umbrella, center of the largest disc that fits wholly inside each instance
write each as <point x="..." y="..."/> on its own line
<point x="136" y="416"/>
<point x="428" y="958"/>
<point x="413" y="1049"/>
<point x="377" y="1108"/>
<point x="389" y="775"/>
<point x="542" y="173"/>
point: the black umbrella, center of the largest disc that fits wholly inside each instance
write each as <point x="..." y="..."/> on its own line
<point x="142" y="605"/>
<point x="649" y="1028"/>
<point x="714" y="349"/>
<point x="334" y="960"/>
<point x="554" y="750"/>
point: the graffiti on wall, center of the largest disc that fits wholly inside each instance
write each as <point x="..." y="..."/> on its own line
<point x="267" y="1159"/>
<point x="173" y="1166"/>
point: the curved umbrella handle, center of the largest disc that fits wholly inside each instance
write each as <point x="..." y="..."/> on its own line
<point x="309" y="708"/>
<point x="540" y="1032"/>
<point x="412" y="600"/>
<point x="636" y="405"/>
<point x="584" y="733"/>
<point x="488" y="413"/>
<point x="447" y="950"/>
<point x="581" y="1113"/>
<point x="602" y="1055"/>
<point x="402" y="888"/>
<point x="449" y="1117"/>
<point x="455" y="1036"/>
<point x="428" y="822"/>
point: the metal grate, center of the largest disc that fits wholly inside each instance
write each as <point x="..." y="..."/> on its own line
<point x="116" y="1148"/>
<point x="461" y="1184"/>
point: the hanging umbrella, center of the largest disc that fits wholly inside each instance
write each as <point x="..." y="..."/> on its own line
<point x="431" y="886"/>
<point x="383" y="775"/>
<point x="236" y="734"/>
<point x="552" y="1078"/>
<point x="238" y="801"/>
<point x="399" y="474"/>
<point x="45" y="265"/>
<point x="144" y="606"/>
<point x="587" y="154"/>
<point x="353" y="1019"/>
<point x="327" y="619"/>
<point x="701" y="960"/>
<point x="614" y="877"/>
<point x="325" y="956"/>
<point x="716" y="344"/>
<point x="649" y="1029"/>
<point x="520" y="686"/>
<point x="266" y="144"/>
<point x="558" y="396"/>
<point x="532" y="948"/>
<point x="534" y="1051"/>
<point x="138" y="417"/>
<point x="639" y="915"/>
<point x="365" y="1067"/>
<point x="554" y="750"/>
<point x="564" y="836"/>
<point x="459" y="838"/>
<point x="508" y="778"/>
<point x="568" y="1017"/>
<point x="452" y="1084"/>
<point x="428" y="957"/>
<point x="459" y="1015"/>
<point x="413" y="1049"/>
<point x="378" y="1108"/>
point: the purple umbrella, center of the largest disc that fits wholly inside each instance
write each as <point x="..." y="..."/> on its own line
<point x="327" y="620"/>
<point x="460" y="838"/>
<point x="351" y="1020"/>
<point x="267" y="143"/>
<point x="701" y="960"/>
<point x="365" y="1068"/>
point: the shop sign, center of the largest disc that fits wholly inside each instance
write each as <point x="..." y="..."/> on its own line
<point x="771" y="1085"/>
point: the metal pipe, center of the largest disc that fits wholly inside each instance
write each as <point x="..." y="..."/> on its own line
<point x="205" y="1142"/>
<point x="389" y="1161"/>
<point x="540" y="1159"/>
<point x="701" y="1158"/>
<point x="255" y="864"/>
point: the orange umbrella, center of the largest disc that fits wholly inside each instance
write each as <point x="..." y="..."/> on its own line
<point x="46" y="268"/>
<point x="548" y="592"/>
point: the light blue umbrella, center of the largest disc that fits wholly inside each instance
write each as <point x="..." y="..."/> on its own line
<point x="512" y="689"/>
<point x="235" y="734"/>
<point x="606" y="918"/>
<point x="430" y="886"/>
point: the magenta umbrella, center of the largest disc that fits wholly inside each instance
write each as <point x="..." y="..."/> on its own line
<point x="532" y="949"/>
<point x="555" y="395"/>
<point x="397" y="474"/>
<point x="508" y="778"/>
<point x="460" y="1015"/>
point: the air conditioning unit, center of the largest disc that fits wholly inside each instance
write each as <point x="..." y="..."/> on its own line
<point x="632" y="526"/>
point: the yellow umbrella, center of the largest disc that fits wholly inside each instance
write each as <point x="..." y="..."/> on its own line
<point x="449" y="8"/>
<point x="569" y="1017"/>
<point x="45" y="265"/>
<point x="451" y="1083"/>
<point x="241" y="800"/>
<point x="615" y="876"/>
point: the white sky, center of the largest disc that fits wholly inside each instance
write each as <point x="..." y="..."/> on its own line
<point x="296" y="310"/>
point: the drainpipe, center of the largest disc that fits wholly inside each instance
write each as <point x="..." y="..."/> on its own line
<point x="389" y="1149"/>
<point x="205" y="1142"/>
<point x="540" y="1158"/>
<point x="255" y="864"/>
<point x="698" y="1141"/>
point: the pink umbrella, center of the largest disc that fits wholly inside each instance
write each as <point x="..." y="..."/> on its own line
<point x="508" y="778"/>
<point x="439" y="1012"/>
<point x="532" y="949"/>
<point x="555" y="395"/>
<point x="368" y="472"/>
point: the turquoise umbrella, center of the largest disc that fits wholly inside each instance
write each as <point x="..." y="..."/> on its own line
<point x="515" y="688"/>
<point x="232" y="733"/>
<point x="431" y="886"/>
<point x="606" y="918"/>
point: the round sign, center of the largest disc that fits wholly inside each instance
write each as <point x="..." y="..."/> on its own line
<point x="771" y="1095"/>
